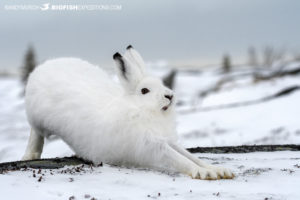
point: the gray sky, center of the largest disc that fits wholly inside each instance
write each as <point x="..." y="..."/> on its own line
<point x="175" y="30"/>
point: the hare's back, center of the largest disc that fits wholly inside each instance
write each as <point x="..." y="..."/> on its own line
<point x="67" y="88"/>
<point x="71" y="76"/>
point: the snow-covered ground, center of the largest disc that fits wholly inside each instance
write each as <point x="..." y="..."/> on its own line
<point x="259" y="175"/>
<point x="272" y="122"/>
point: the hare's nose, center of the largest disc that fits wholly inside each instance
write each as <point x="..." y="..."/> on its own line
<point x="169" y="97"/>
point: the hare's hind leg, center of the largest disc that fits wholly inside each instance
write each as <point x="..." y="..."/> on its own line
<point x="222" y="172"/>
<point x="35" y="146"/>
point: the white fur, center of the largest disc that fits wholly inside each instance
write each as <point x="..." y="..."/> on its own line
<point x="103" y="121"/>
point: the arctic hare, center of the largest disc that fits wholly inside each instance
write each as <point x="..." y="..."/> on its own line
<point x="127" y="124"/>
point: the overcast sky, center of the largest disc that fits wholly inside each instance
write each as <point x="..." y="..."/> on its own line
<point x="175" y="30"/>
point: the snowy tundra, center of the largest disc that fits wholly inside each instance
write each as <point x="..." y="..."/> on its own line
<point x="127" y="124"/>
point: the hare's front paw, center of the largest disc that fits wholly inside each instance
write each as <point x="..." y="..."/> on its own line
<point x="223" y="173"/>
<point x="204" y="174"/>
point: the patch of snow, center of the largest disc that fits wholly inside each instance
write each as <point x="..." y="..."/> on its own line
<point x="258" y="176"/>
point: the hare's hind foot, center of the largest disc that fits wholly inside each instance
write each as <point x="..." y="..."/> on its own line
<point x="34" y="147"/>
<point x="31" y="156"/>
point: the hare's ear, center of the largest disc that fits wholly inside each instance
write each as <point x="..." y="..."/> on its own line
<point x="135" y="58"/>
<point x="129" y="74"/>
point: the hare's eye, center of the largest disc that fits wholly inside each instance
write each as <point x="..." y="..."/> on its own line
<point x="145" y="90"/>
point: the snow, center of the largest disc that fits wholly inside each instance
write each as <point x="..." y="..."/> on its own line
<point x="272" y="122"/>
<point x="275" y="122"/>
<point x="273" y="175"/>
<point x="259" y="176"/>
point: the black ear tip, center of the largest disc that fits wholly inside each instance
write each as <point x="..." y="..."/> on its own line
<point x="129" y="47"/>
<point x="117" y="55"/>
